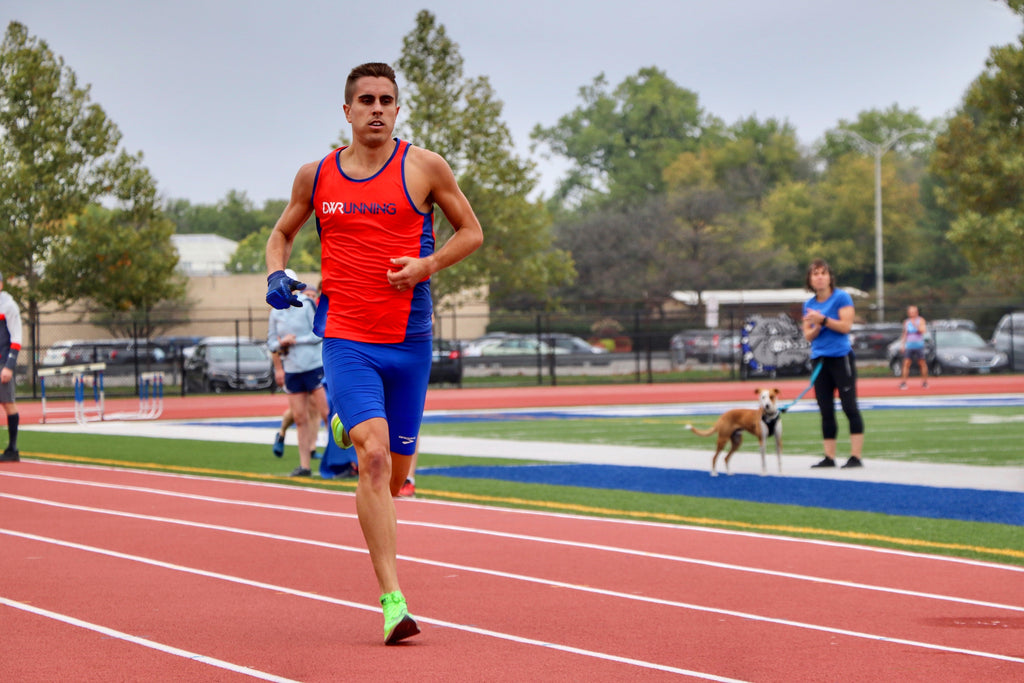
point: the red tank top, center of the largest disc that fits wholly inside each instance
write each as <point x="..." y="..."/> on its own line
<point x="363" y="224"/>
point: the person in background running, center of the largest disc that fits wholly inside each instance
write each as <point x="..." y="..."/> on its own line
<point x="408" y="489"/>
<point x="290" y="333"/>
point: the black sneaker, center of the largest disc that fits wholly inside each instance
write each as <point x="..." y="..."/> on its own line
<point x="279" y="445"/>
<point x="10" y="455"/>
<point x="825" y="462"/>
<point x="854" y="461"/>
<point x="300" y="472"/>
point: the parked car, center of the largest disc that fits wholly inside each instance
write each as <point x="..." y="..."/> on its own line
<point x="109" y="351"/>
<point x="951" y="350"/>
<point x="126" y="353"/>
<point x="218" y="364"/>
<point x="955" y="324"/>
<point x="78" y="351"/>
<point x="729" y="349"/>
<point x="871" y="340"/>
<point x="571" y="344"/>
<point x="56" y="354"/>
<point x="518" y="345"/>
<point x="175" y="347"/>
<point x="1008" y="337"/>
<point x="472" y="347"/>
<point x="446" y="365"/>
<point x="701" y="345"/>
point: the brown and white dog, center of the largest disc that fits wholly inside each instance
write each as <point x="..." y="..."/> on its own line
<point x="762" y="422"/>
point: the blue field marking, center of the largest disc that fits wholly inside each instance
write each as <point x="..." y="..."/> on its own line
<point x="972" y="505"/>
<point x="1001" y="507"/>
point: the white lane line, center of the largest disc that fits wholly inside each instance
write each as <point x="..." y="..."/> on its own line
<point x="355" y="605"/>
<point x="849" y="546"/>
<point x="498" y="534"/>
<point x="145" y="642"/>
<point x="505" y="575"/>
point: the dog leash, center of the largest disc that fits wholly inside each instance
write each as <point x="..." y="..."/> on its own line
<point x="814" y="376"/>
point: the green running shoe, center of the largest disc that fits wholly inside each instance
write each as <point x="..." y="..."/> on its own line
<point x="398" y="625"/>
<point x="339" y="432"/>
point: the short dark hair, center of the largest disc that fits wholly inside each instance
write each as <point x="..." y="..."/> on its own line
<point x="373" y="70"/>
<point x="820" y="264"/>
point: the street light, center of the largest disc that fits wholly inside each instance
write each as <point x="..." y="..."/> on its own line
<point x="878" y="150"/>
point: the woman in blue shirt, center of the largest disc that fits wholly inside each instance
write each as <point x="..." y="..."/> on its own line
<point x="828" y="316"/>
<point x="912" y="346"/>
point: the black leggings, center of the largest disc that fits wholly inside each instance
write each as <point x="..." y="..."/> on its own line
<point x="837" y="374"/>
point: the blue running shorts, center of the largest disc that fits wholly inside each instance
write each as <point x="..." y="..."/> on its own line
<point x="304" y="382"/>
<point x="380" y="380"/>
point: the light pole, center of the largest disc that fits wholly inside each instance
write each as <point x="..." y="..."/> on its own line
<point x="878" y="150"/>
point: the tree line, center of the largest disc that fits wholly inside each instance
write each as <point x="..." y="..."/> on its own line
<point x="660" y="194"/>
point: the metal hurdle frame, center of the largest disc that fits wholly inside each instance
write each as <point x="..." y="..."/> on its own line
<point x="151" y="399"/>
<point x="80" y="412"/>
<point x="151" y="395"/>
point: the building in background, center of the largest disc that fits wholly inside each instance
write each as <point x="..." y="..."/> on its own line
<point x="203" y="254"/>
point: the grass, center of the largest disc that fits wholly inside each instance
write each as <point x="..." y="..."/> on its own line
<point x="988" y="436"/>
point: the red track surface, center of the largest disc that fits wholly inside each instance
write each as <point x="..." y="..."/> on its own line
<point x="276" y="579"/>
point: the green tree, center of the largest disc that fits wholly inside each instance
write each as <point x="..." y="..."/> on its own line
<point x="251" y="255"/>
<point x="698" y="235"/>
<point x="834" y="218"/>
<point x="234" y="217"/>
<point x="791" y="210"/>
<point x="878" y="126"/>
<point x="619" y="141"/>
<point x="980" y="168"/>
<point x="123" y="264"/>
<point x="716" y="195"/>
<point x="460" y="118"/>
<point x="621" y="253"/>
<point x="59" y="156"/>
<point x="718" y="240"/>
<point x="755" y="156"/>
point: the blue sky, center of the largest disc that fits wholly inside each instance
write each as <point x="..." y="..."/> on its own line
<point x="229" y="94"/>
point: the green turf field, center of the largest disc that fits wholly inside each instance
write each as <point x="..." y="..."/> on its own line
<point x="989" y="436"/>
<point x="975" y="436"/>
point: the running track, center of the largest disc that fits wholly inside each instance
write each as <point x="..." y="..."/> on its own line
<point x="124" y="575"/>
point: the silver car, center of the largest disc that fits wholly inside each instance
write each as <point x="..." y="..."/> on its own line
<point x="947" y="351"/>
<point x="1009" y="338"/>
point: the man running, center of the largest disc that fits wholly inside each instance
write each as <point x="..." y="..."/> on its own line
<point x="374" y="203"/>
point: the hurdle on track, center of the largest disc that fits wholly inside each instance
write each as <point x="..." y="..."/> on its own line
<point x="90" y="375"/>
<point x="151" y="399"/>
